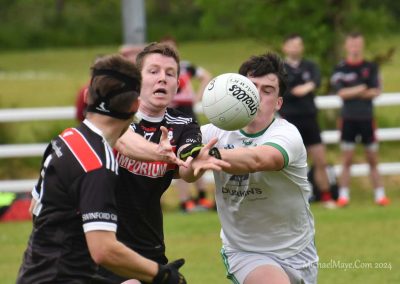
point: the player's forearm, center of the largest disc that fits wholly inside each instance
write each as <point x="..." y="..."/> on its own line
<point x="370" y="93"/>
<point x="105" y="250"/>
<point x="187" y="174"/>
<point x="352" y="92"/>
<point x="304" y="89"/>
<point x="136" y="147"/>
<point x="125" y="262"/>
<point x="249" y="160"/>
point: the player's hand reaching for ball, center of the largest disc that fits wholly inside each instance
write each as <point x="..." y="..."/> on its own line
<point x="169" y="273"/>
<point x="205" y="161"/>
<point x="166" y="151"/>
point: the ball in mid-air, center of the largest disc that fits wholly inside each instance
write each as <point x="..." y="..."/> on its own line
<point x="230" y="101"/>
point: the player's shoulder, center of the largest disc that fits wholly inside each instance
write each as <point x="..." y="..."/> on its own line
<point x="288" y="133"/>
<point x="86" y="147"/>
<point x="208" y="131"/>
<point x="281" y="124"/>
<point x="174" y="116"/>
<point x="207" y="128"/>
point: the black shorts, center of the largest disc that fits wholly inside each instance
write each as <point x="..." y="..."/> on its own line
<point x="308" y="128"/>
<point x="353" y="131"/>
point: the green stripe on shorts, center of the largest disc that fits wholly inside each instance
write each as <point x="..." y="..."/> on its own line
<point x="226" y="263"/>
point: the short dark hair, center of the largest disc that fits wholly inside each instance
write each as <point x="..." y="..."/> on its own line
<point x="292" y="36"/>
<point x="160" y="48"/>
<point x="102" y="85"/>
<point x="268" y="63"/>
<point x="354" y="35"/>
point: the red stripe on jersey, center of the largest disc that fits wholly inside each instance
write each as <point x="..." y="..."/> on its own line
<point x="81" y="149"/>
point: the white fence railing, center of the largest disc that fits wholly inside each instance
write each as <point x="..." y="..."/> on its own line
<point x="54" y="113"/>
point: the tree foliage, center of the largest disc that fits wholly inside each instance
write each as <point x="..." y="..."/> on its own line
<point x="322" y="23"/>
<point x="43" y="23"/>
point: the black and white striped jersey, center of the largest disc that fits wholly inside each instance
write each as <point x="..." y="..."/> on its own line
<point x="74" y="195"/>
<point x="140" y="221"/>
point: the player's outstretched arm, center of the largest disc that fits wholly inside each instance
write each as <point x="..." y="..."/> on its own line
<point x="137" y="147"/>
<point x="105" y="250"/>
<point x="254" y="159"/>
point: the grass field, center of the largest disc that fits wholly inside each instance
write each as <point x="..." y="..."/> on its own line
<point x="363" y="235"/>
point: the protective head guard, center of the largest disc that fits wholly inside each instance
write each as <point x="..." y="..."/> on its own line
<point x="102" y="104"/>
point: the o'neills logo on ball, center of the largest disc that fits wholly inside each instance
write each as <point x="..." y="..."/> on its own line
<point x="239" y="93"/>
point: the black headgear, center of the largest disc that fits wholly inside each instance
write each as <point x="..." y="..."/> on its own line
<point x="102" y="104"/>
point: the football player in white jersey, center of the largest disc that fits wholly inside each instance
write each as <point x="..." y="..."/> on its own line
<point x="262" y="198"/>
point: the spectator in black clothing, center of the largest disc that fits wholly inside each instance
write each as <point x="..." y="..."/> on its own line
<point x="73" y="205"/>
<point x="299" y="108"/>
<point x="356" y="81"/>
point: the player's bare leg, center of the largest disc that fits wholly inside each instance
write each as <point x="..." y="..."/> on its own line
<point x="318" y="156"/>
<point x="186" y="201"/>
<point x="344" y="180"/>
<point x="379" y="191"/>
<point x="267" y="274"/>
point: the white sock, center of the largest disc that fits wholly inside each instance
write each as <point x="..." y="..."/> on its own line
<point x="379" y="193"/>
<point x="344" y="193"/>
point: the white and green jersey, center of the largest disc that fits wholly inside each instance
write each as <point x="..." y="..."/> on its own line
<point x="266" y="212"/>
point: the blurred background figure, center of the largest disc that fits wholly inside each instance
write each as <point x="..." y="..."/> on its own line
<point x="184" y="101"/>
<point x="299" y="108"/>
<point x="356" y="81"/>
<point x="129" y="51"/>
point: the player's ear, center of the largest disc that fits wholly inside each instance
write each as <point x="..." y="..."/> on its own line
<point x="177" y="85"/>
<point x="85" y="95"/>
<point x="279" y="103"/>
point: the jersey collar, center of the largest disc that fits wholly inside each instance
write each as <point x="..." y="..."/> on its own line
<point x="93" y="128"/>
<point x="140" y="115"/>
<point x="254" y="135"/>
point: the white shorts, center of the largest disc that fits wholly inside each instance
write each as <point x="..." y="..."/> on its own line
<point x="301" y="268"/>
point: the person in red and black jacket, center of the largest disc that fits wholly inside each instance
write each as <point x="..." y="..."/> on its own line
<point x="357" y="82"/>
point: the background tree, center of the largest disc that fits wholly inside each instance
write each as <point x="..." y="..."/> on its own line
<point x="42" y="23"/>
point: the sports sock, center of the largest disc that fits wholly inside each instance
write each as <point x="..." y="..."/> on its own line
<point x="344" y="193"/>
<point x="326" y="196"/>
<point x="379" y="193"/>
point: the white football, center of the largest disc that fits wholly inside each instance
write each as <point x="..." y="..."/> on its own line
<point x="230" y="101"/>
